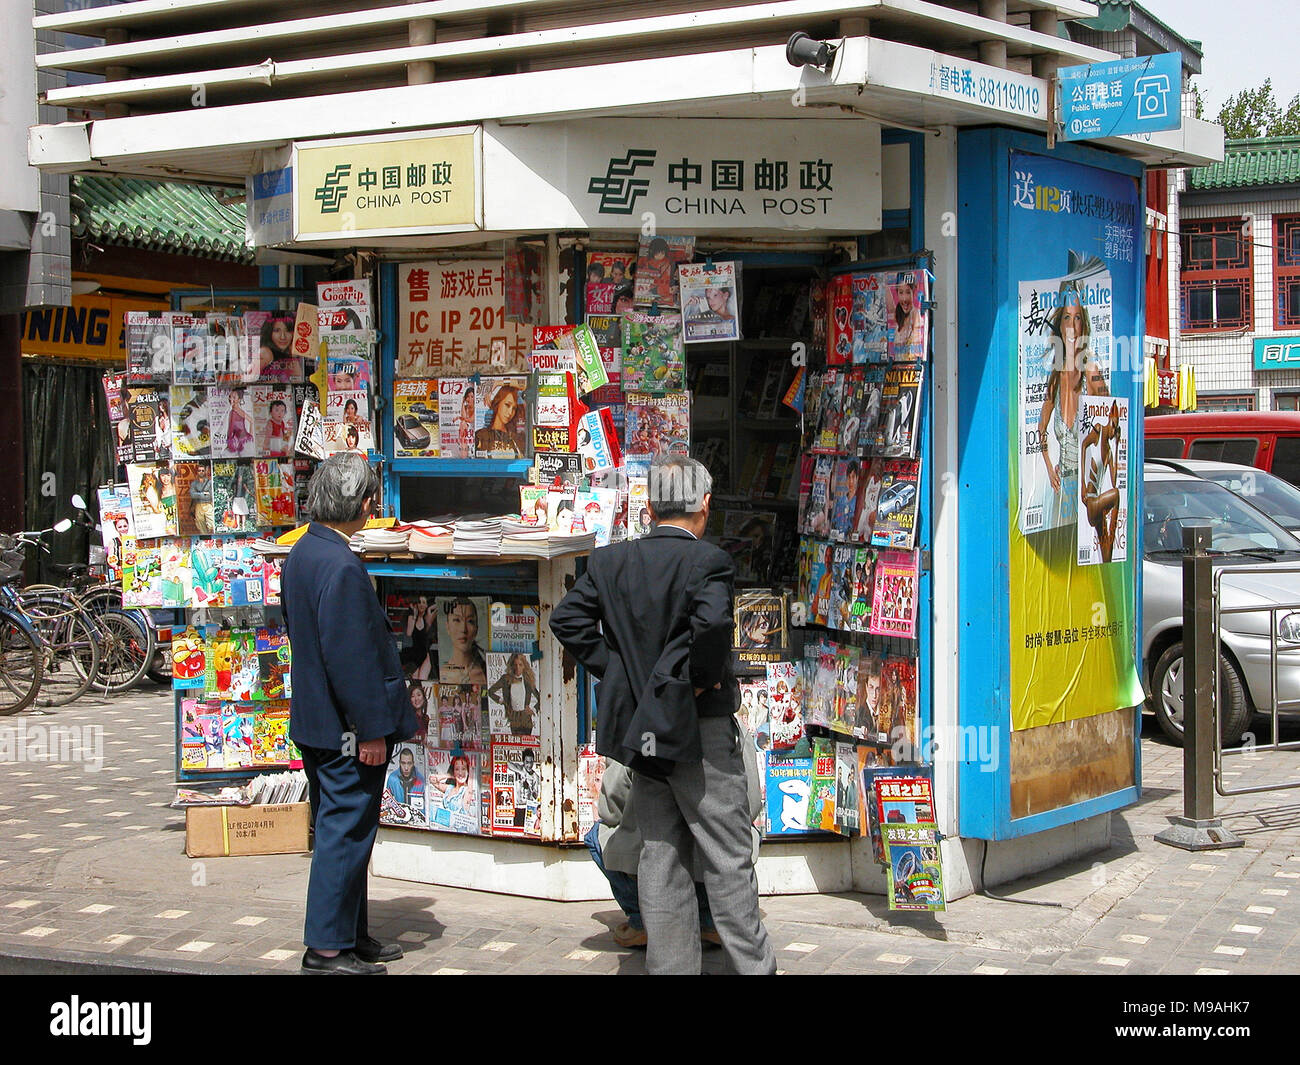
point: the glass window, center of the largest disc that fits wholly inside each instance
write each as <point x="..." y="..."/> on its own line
<point x="1238" y="449"/>
<point x="1216" y="275"/>
<point x="1169" y="505"/>
<point x="1286" y="459"/>
<point x="1286" y="270"/>
<point x="1164" y="447"/>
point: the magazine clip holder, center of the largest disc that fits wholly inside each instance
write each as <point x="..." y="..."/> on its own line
<point x="709" y="266"/>
<point x="654" y="309"/>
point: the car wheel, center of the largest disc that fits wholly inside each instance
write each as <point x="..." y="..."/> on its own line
<point x="1167" y="683"/>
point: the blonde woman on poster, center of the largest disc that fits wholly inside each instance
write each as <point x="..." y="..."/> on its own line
<point x="1070" y="330"/>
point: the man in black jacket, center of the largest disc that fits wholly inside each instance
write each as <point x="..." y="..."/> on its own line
<point x="652" y="618"/>
<point x="350" y="707"/>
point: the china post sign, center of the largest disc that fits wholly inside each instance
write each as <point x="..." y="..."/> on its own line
<point x="1277" y="353"/>
<point x="1122" y="97"/>
<point x="403" y="184"/>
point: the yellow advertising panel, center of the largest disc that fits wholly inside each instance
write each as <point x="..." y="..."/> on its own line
<point x="405" y="184"/>
<point x="92" y="328"/>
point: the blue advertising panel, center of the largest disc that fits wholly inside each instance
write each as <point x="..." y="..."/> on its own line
<point x="1277" y="353"/>
<point x="1122" y="97"/>
<point x="1050" y="399"/>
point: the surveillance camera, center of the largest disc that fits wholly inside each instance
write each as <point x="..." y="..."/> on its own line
<point x="803" y="51"/>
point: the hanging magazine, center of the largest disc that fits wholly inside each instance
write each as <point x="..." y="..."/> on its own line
<point x="900" y="413"/>
<point x="896" y="505"/>
<point x="893" y="607"/>
<point x="908" y="319"/>
<point x="710" y="302"/>
<point x="653" y="359"/>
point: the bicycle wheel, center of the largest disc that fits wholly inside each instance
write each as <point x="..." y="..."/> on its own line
<point x="21" y="665"/>
<point x="70" y="646"/>
<point x="125" y="651"/>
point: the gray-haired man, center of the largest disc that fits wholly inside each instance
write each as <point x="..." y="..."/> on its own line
<point x="653" y="619"/>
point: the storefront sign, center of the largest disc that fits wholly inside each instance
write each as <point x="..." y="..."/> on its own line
<point x="452" y="321"/>
<point x="405" y="184"/>
<point x="705" y="175"/>
<point x="1122" y="97"/>
<point x="1167" y="383"/>
<point x="92" y="328"/>
<point x="975" y="83"/>
<point x="270" y="207"/>
<point x="1075" y="278"/>
<point x="1277" y="353"/>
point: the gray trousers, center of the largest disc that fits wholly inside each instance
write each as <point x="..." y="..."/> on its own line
<point x="701" y="810"/>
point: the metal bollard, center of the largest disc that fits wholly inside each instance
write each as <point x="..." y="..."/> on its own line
<point x="1198" y="829"/>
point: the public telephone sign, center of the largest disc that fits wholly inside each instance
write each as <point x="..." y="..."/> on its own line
<point x="1121" y="97"/>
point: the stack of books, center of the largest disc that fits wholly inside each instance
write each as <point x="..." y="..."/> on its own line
<point x="540" y="542"/>
<point x="428" y="538"/>
<point x="379" y="541"/>
<point x="477" y="536"/>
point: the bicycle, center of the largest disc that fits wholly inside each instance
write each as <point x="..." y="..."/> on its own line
<point x="22" y="663"/>
<point x="68" y="637"/>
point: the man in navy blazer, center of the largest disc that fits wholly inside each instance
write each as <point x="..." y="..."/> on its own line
<point x="653" y="619"/>
<point x="349" y="708"/>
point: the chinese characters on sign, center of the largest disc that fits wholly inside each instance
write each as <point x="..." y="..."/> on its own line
<point x="1122" y="97"/>
<point x="452" y="321"/>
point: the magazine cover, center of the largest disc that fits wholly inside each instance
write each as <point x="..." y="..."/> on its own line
<point x="276" y="504"/>
<point x="598" y="509"/>
<point x="236" y="737"/>
<point x="873" y="393"/>
<point x="580" y="356"/>
<point x="234" y="497"/>
<point x="848" y="801"/>
<point x="832" y="412"/>
<point x="1103" y="481"/>
<point x="148" y="337"/>
<point x="864" y="518"/>
<point x="513" y="698"/>
<point x="522" y="270"/>
<point x="914" y="869"/>
<point x="846" y="484"/>
<point x="869" y="758"/>
<point x="591" y="770"/>
<point x="839" y="335"/>
<point x="462" y="638"/>
<point x="840" y="610"/>
<point x="232" y="414"/>
<point x="595" y="440"/>
<point x="904" y="795"/>
<point x="785" y="699"/>
<point x="415" y="419"/>
<point x="141" y="575"/>
<point x="639" y="522"/>
<point x="551" y="401"/>
<point x="1064" y="327"/>
<point x="761" y="636"/>
<point x="349" y="363"/>
<point x="516" y="786"/>
<point x="749" y="537"/>
<point x="502" y="431"/>
<point x="344" y="306"/>
<point x="269" y="340"/>
<point x="820" y="511"/>
<point x="896" y="505"/>
<point x="821" y="794"/>
<point x="908" y="320"/>
<point x="461" y="721"/>
<point x="310" y="438"/>
<point x="710" y="302"/>
<point x="273" y="421"/>
<point x="864" y="572"/>
<point x="177" y="583"/>
<point x="456" y="417"/>
<point x="653" y="359"/>
<point x="869" y="317"/>
<point x="115" y="396"/>
<point x="534" y="502"/>
<point x="347" y="422"/>
<point x="194" y="352"/>
<point x="897" y="433"/>
<point x="560" y="501"/>
<point x="153" y="500"/>
<point x="821" y="672"/>
<point x="787" y="785"/>
<point x="149" y="413"/>
<point x="844" y="695"/>
<point x="191" y="429"/>
<point x="515" y="627"/>
<point x="273" y="662"/>
<point x="656" y="269"/>
<point x="893" y="604"/>
<point x="451" y="791"/>
<point x="608" y="274"/>
<point x="898" y="701"/>
<point x="404" y="787"/>
<point x="852" y="394"/>
<point x="755" y="710"/>
<point x="116" y="524"/>
<point x="658" y="424"/>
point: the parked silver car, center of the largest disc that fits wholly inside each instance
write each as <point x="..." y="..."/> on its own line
<point x="1277" y="498"/>
<point x="1240" y="536"/>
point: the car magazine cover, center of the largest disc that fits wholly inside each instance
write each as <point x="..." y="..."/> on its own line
<point x="908" y="320"/>
<point x="787" y="785"/>
<point x="456" y="417"/>
<point x="656" y="269"/>
<point x="710" y="302"/>
<point x="1064" y="328"/>
<point x="896" y="505"/>
<point x="451" y="791"/>
<point x="415" y="418"/>
<point x="658" y="425"/>
<point x="653" y="358"/>
<point x="893" y="604"/>
<point x="897" y="431"/>
<point x="1103" y="481"/>
<point x="403" y="799"/>
<point x="914" y="869"/>
<point x="516" y="786"/>
<point x="785" y="698"/>
<point x="502" y="431"/>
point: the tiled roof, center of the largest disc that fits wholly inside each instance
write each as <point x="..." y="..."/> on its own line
<point x="1247" y="163"/>
<point x="162" y="216"/>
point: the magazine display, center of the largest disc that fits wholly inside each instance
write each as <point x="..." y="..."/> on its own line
<point x="896" y="504"/>
<point x="653" y="358"/>
<point x="893" y="606"/>
<point x="900" y="414"/>
<point x="515" y="802"/>
<point x="1103" y="481"/>
<point x="907" y="297"/>
<point x="415" y="419"/>
<point x="656" y="269"/>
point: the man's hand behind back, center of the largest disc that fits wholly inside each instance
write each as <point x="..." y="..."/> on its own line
<point x="372" y="752"/>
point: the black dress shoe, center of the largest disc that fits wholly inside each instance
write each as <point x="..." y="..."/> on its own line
<point x="344" y="963"/>
<point x="371" y="950"/>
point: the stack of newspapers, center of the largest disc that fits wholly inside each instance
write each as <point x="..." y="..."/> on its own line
<point x="521" y="537"/>
<point x="379" y="541"/>
<point x="477" y="536"/>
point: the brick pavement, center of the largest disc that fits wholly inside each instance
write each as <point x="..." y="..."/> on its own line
<point x="93" y="866"/>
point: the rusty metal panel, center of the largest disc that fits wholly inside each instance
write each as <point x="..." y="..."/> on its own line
<point x="558" y="721"/>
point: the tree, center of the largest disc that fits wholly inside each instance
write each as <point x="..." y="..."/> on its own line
<point x="1256" y="113"/>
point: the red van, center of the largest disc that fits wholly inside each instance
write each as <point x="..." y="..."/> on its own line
<point x="1266" y="439"/>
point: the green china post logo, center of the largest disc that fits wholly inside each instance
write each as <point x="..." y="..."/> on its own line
<point x="620" y="188"/>
<point x="333" y="190"/>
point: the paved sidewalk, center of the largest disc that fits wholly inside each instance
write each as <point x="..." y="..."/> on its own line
<point x="93" y="866"/>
